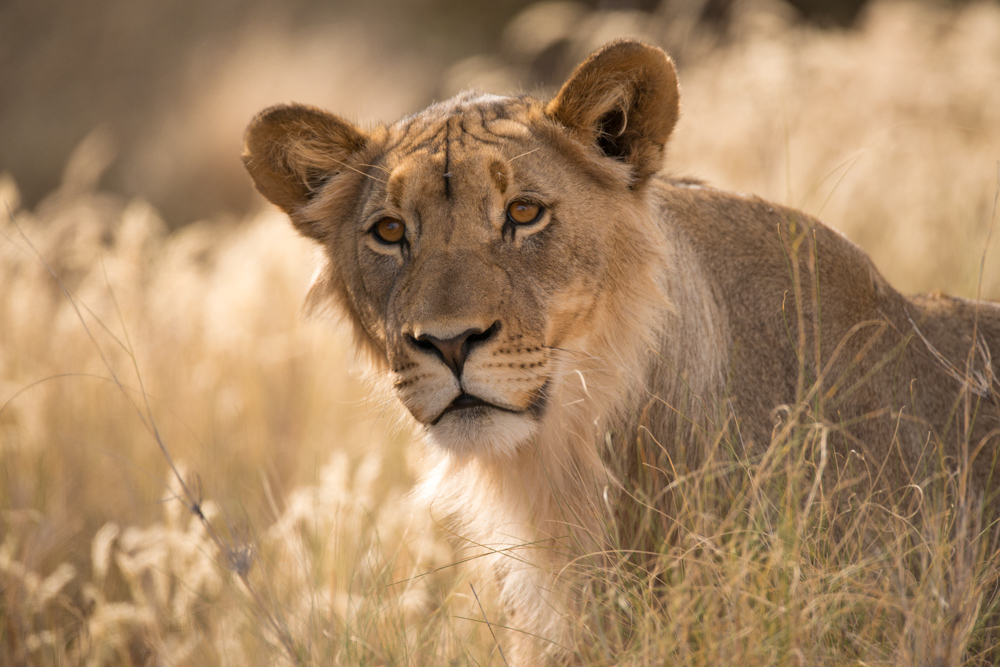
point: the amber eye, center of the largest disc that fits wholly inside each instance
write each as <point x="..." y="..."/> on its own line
<point x="390" y="230"/>
<point x="523" y="212"/>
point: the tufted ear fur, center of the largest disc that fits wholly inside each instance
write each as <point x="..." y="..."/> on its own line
<point x="292" y="151"/>
<point x="624" y="100"/>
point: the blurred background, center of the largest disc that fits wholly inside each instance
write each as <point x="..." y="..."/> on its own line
<point x="166" y="88"/>
<point x="120" y="135"/>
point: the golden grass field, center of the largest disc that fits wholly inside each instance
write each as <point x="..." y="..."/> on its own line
<point x="313" y="552"/>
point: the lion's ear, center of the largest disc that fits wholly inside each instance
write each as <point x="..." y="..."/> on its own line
<point x="292" y="151"/>
<point x="624" y="100"/>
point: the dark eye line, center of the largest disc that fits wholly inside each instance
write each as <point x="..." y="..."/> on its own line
<point x="381" y="241"/>
<point x="510" y="226"/>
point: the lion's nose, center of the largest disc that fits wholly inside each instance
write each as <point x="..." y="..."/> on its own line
<point x="454" y="351"/>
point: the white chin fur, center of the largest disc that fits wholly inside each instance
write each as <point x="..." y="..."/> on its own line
<point x="482" y="431"/>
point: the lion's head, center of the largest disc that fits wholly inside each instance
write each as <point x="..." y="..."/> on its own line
<point x="489" y="250"/>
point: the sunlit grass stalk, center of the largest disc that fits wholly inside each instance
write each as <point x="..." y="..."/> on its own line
<point x="236" y="558"/>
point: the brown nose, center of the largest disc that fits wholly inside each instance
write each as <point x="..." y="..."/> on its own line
<point x="454" y="351"/>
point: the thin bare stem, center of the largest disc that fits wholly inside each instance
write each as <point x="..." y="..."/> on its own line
<point x="488" y="625"/>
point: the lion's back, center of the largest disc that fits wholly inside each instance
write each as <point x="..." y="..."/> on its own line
<point x="810" y="318"/>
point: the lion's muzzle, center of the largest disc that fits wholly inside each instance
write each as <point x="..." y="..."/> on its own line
<point x="455" y="350"/>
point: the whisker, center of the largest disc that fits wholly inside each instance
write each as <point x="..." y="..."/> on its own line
<point x="375" y="166"/>
<point x="523" y="154"/>
<point x="562" y="349"/>
<point x="358" y="171"/>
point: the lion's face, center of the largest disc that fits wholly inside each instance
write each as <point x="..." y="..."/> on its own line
<point x="475" y="244"/>
<point x="496" y="267"/>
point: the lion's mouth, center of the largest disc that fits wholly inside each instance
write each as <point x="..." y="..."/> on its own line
<point x="466" y="401"/>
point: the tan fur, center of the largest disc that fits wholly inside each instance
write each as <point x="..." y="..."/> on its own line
<point x="637" y="299"/>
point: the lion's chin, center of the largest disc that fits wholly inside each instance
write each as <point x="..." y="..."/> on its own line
<point x="482" y="431"/>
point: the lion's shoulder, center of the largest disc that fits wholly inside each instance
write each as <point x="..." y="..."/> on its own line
<point x="749" y="245"/>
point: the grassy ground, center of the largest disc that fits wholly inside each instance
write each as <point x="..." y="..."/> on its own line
<point x="312" y="550"/>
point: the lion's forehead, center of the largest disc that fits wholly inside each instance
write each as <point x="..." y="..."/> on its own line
<point x="462" y="125"/>
<point x="453" y="153"/>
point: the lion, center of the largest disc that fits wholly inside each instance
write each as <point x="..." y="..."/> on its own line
<point x="544" y="300"/>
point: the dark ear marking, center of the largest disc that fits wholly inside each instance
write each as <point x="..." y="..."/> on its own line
<point x="315" y="179"/>
<point x="610" y="129"/>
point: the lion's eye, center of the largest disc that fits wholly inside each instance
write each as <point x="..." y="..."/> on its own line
<point x="524" y="212"/>
<point x="389" y="230"/>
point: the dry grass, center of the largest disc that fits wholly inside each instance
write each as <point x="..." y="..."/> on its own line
<point x="891" y="133"/>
